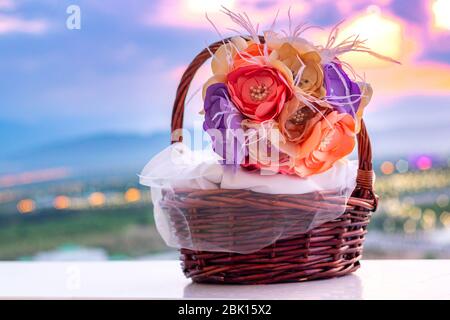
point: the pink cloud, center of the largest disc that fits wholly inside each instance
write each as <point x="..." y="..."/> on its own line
<point x="7" y="4"/>
<point x="11" y="24"/>
<point x="22" y="178"/>
<point x="191" y="13"/>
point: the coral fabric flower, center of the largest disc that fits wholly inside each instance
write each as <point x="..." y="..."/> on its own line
<point x="223" y="124"/>
<point x="259" y="92"/>
<point x="330" y="140"/>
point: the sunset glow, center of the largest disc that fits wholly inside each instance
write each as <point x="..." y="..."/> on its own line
<point x="383" y="35"/>
<point x="202" y="6"/>
<point x="441" y="14"/>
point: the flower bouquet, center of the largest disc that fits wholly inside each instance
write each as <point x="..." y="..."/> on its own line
<point x="273" y="199"/>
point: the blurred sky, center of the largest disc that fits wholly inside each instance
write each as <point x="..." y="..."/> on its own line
<point x="120" y="71"/>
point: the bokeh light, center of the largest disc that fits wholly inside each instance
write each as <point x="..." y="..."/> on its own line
<point x="424" y="163"/>
<point x="445" y="219"/>
<point x="415" y="213"/>
<point x="442" y="200"/>
<point x="428" y="219"/>
<point x="61" y="202"/>
<point x="402" y="166"/>
<point x="387" y="167"/>
<point x="26" y="206"/>
<point x="97" y="199"/>
<point x="132" y="195"/>
<point x="410" y="226"/>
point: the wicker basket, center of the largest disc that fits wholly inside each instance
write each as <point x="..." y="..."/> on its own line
<point x="330" y="250"/>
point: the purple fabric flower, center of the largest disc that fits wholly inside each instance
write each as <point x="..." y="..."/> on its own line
<point x="342" y="93"/>
<point x="222" y="115"/>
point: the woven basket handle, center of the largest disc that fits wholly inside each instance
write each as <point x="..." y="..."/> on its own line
<point x="365" y="173"/>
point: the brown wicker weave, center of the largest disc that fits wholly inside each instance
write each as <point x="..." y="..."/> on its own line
<point x="229" y="216"/>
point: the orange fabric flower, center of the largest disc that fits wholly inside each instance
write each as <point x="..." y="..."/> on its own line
<point x="330" y="140"/>
<point x="259" y="92"/>
<point x="253" y="54"/>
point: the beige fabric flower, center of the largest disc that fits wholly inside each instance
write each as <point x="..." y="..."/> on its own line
<point x="307" y="63"/>
<point x="366" y="96"/>
<point x="222" y="61"/>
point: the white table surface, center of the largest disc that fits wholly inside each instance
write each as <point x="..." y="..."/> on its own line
<point x="376" y="279"/>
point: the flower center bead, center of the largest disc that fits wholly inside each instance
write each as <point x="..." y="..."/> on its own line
<point x="259" y="92"/>
<point x="298" y="117"/>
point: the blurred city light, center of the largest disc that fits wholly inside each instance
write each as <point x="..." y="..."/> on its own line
<point x="61" y="202"/>
<point x="409" y="226"/>
<point x="26" y="206"/>
<point x="97" y="199"/>
<point x="387" y="167"/>
<point x="428" y="219"/>
<point x="424" y="163"/>
<point x="132" y="195"/>
<point x="442" y="200"/>
<point x="445" y="219"/>
<point x="402" y="166"/>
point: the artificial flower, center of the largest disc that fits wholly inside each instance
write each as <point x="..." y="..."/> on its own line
<point x="311" y="80"/>
<point x="296" y="119"/>
<point x="258" y="91"/>
<point x="366" y="96"/>
<point x="253" y="54"/>
<point x="275" y="41"/>
<point x="342" y="93"/>
<point x="299" y="56"/>
<point x="222" y="61"/>
<point x="330" y="140"/>
<point x="266" y="147"/>
<point x="223" y="123"/>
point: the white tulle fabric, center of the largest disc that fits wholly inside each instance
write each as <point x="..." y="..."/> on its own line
<point x="178" y="167"/>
